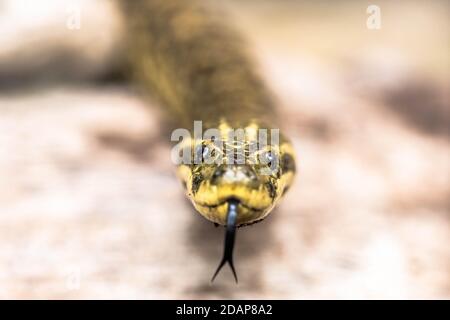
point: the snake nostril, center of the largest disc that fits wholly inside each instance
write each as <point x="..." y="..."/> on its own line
<point x="217" y="174"/>
<point x="196" y="181"/>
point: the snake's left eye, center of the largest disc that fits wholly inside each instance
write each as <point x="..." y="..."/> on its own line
<point x="269" y="157"/>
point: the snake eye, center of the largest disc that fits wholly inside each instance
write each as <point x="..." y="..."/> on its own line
<point x="210" y="154"/>
<point x="288" y="163"/>
<point x="268" y="157"/>
<point x="204" y="153"/>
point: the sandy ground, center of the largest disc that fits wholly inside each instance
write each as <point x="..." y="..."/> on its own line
<point x="90" y="206"/>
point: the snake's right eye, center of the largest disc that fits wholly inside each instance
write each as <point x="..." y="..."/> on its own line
<point x="269" y="157"/>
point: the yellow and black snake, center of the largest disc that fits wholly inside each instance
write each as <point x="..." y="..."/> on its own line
<point x="196" y="66"/>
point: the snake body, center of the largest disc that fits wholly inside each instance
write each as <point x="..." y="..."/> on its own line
<point x="197" y="67"/>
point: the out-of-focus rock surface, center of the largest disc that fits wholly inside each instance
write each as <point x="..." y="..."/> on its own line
<point x="90" y="206"/>
<point x="57" y="39"/>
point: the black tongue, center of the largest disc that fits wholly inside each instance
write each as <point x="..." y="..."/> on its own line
<point x="230" y="234"/>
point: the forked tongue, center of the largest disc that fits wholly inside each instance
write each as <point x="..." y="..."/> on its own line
<point x="230" y="234"/>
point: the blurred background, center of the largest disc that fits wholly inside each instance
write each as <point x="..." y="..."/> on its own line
<point x="90" y="206"/>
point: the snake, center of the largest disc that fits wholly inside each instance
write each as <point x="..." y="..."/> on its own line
<point x="187" y="56"/>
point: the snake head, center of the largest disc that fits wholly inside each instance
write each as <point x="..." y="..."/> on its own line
<point x="256" y="182"/>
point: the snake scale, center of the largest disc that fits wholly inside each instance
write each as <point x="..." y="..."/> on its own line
<point x="197" y="67"/>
